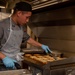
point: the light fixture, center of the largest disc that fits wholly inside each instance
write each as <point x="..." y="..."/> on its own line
<point x="2" y="7"/>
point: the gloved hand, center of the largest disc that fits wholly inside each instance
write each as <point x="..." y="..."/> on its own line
<point x="46" y="48"/>
<point x="19" y="56"/>
<point x="8" y="62"/>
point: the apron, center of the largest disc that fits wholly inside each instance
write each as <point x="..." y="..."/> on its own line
<point x="12" y="46"/>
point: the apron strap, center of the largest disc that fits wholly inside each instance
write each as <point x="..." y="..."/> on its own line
<point x="9" y="34"/>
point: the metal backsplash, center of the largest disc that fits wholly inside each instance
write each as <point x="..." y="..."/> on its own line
<point x="56" y="28"/>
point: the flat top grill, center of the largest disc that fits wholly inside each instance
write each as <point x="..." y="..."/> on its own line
<point x="40" y="60"/>
<point x="51" y="67"/>
<point x="39" y="64"/>
<point x="67" y="62"/>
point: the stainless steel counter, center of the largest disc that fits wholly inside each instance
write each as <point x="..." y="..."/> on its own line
<point x="16" y="72"/>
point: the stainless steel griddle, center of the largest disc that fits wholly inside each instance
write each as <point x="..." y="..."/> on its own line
<point x="57" y="67"/>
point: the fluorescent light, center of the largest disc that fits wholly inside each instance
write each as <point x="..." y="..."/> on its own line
<point x="2" y="7"/>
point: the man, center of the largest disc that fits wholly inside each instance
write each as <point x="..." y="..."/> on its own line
<point x="11" y="34"/>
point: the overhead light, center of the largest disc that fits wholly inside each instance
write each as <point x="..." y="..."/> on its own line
<point x="2" y="7"/>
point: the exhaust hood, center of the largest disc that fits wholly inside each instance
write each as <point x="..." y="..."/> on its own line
<point x="44" y="3"/>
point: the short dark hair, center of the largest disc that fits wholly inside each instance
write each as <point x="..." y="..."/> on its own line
<point x="22" y="6"/>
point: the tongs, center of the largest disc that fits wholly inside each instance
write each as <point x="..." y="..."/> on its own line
<point x="52" y="54"/>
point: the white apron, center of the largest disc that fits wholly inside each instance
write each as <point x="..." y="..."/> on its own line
<point x="12" y="46"/>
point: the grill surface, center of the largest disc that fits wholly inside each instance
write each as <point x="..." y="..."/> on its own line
<point x="56" y="67"/>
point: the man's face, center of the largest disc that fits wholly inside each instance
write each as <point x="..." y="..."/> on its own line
<point x="23" y="17"/>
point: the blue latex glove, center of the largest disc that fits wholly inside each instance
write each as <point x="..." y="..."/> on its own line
<point x="46" y="48"/>
<point x="8" y="62"/>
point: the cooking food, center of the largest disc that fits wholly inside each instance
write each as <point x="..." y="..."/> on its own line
<point x="28" y="55"/>
<point x="41" y="58"/>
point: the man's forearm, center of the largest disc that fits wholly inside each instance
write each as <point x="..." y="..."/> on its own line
<point x="34" y="43"/>
<point x="2" y="55"/>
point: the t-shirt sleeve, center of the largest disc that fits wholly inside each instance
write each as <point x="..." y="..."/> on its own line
<point x="25" y="36"/>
